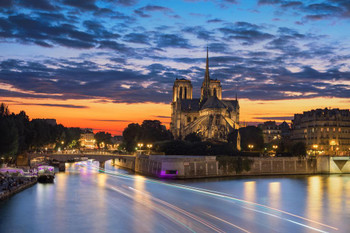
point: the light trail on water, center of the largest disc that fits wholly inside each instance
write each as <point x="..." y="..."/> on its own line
<point x="225" y="196"/>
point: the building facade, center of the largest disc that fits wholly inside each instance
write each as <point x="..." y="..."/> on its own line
<point x="209" y="116"/>
<point x="272" y="131"/>
<point x="87" y="140"/>
<point x="324" y="131"/>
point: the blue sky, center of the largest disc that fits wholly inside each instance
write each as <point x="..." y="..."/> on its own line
<point x="131" y="51"/>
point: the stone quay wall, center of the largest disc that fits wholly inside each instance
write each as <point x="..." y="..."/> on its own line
<point x="175" y="166"/>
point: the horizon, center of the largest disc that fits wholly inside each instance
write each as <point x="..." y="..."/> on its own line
<point x="103" y="65"/>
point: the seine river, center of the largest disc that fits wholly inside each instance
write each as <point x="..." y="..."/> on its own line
<point x="85" y="200"/>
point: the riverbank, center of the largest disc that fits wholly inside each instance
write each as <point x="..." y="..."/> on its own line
<point x="17" y="185"/>
<point x="189" y="167"/>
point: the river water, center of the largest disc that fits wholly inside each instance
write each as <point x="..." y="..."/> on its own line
<point x="83" y="199"/>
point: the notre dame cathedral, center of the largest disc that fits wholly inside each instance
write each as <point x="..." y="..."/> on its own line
<point x="209" y="116"/>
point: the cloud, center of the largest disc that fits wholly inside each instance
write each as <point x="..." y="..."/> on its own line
<point x="138" y="38"/>
<point x="144" y="11"/>
<point x="200" y="32"/>
<point x="111" y="120"/>
<point x="127" y="2"/>
<point x="282" y="118"/>
<point x="314" y="11"/>
<point x="56" y="105"/>
<point x="83" y="5"/>
<point x="216" y="20"/>
<point x="165" y="117"/>
<point x="172" y="40"/>
<point x="246" y="32"/>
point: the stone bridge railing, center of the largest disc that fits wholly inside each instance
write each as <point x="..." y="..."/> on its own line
<point x="101" y="157"/>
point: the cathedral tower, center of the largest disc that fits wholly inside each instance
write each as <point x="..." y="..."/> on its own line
<point x="210" y="87"/>
<point x="182" y="89"/>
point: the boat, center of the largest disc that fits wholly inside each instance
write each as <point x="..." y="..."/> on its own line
<point x="46" y="174"/>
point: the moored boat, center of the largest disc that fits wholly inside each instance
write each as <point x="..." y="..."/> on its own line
<point x="46" y="174"/>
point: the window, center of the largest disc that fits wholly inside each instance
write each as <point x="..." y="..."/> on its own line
<point x="188" y="119"/>
<point x="185" y="97"/>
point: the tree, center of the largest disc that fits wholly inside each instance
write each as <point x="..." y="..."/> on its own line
<point x="150" y="131"/>
<point x="298" y="149"/>
<point x="8" y="137"/>
<point x="251" y="135"/>
<point x="193" y="137"/>
<point x="22" y="124"/>
<point x="232" y="138"/>
<point x="104" y="137"/>
<point x="4" y="110"/>
<point x="131" y="136"/>
<point x="153" y="131"/>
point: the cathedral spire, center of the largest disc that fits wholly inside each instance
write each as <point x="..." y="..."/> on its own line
<point x="207" y="78"/>
<point x="206" y="82"/>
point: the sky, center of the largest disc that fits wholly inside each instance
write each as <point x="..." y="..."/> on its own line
<point x="104" y="64"/>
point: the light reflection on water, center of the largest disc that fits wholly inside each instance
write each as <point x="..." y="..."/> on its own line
<point x="84" y="200"/>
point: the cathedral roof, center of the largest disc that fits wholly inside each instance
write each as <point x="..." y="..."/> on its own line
<point x="190" y="104"/>
<point x="213" y="102"/>
<point x="230" y="104"/>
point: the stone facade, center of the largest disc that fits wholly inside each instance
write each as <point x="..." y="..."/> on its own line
<point x="209" y="116"/>
<point x="273" y="131"/>
<point x="324" y="131"/>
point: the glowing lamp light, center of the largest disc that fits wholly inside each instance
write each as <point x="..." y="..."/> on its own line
<point x="315" y="146"/>
<point x="275" y="147"/>
<point x="250" y="146"/>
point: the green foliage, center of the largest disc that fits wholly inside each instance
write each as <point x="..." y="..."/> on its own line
<point x="8" y="137"/>
<point x="251" y="135"/>
<point x="131" y="135"/>
<point x="18" y="134"/>
<point x="149" y="132"/>
<point x="232" y="138"/>
<point x="193" y="137"/>
<point x="299" y="149"/>
<point x="104" y="137"/>
<point x="4" y="110"/>
<point x="234" y="164"/>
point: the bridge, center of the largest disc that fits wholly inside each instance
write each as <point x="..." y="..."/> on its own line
<point x="62" y="158"/>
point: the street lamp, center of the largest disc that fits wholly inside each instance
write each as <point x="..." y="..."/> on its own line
<point x="140" y="145"/>
<point x="275" y="147"/>
<point x="250" y="146"/>
<point x="315" y="146"/>
<point x="332" y="143"/>
<point x="149" y="146"/>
